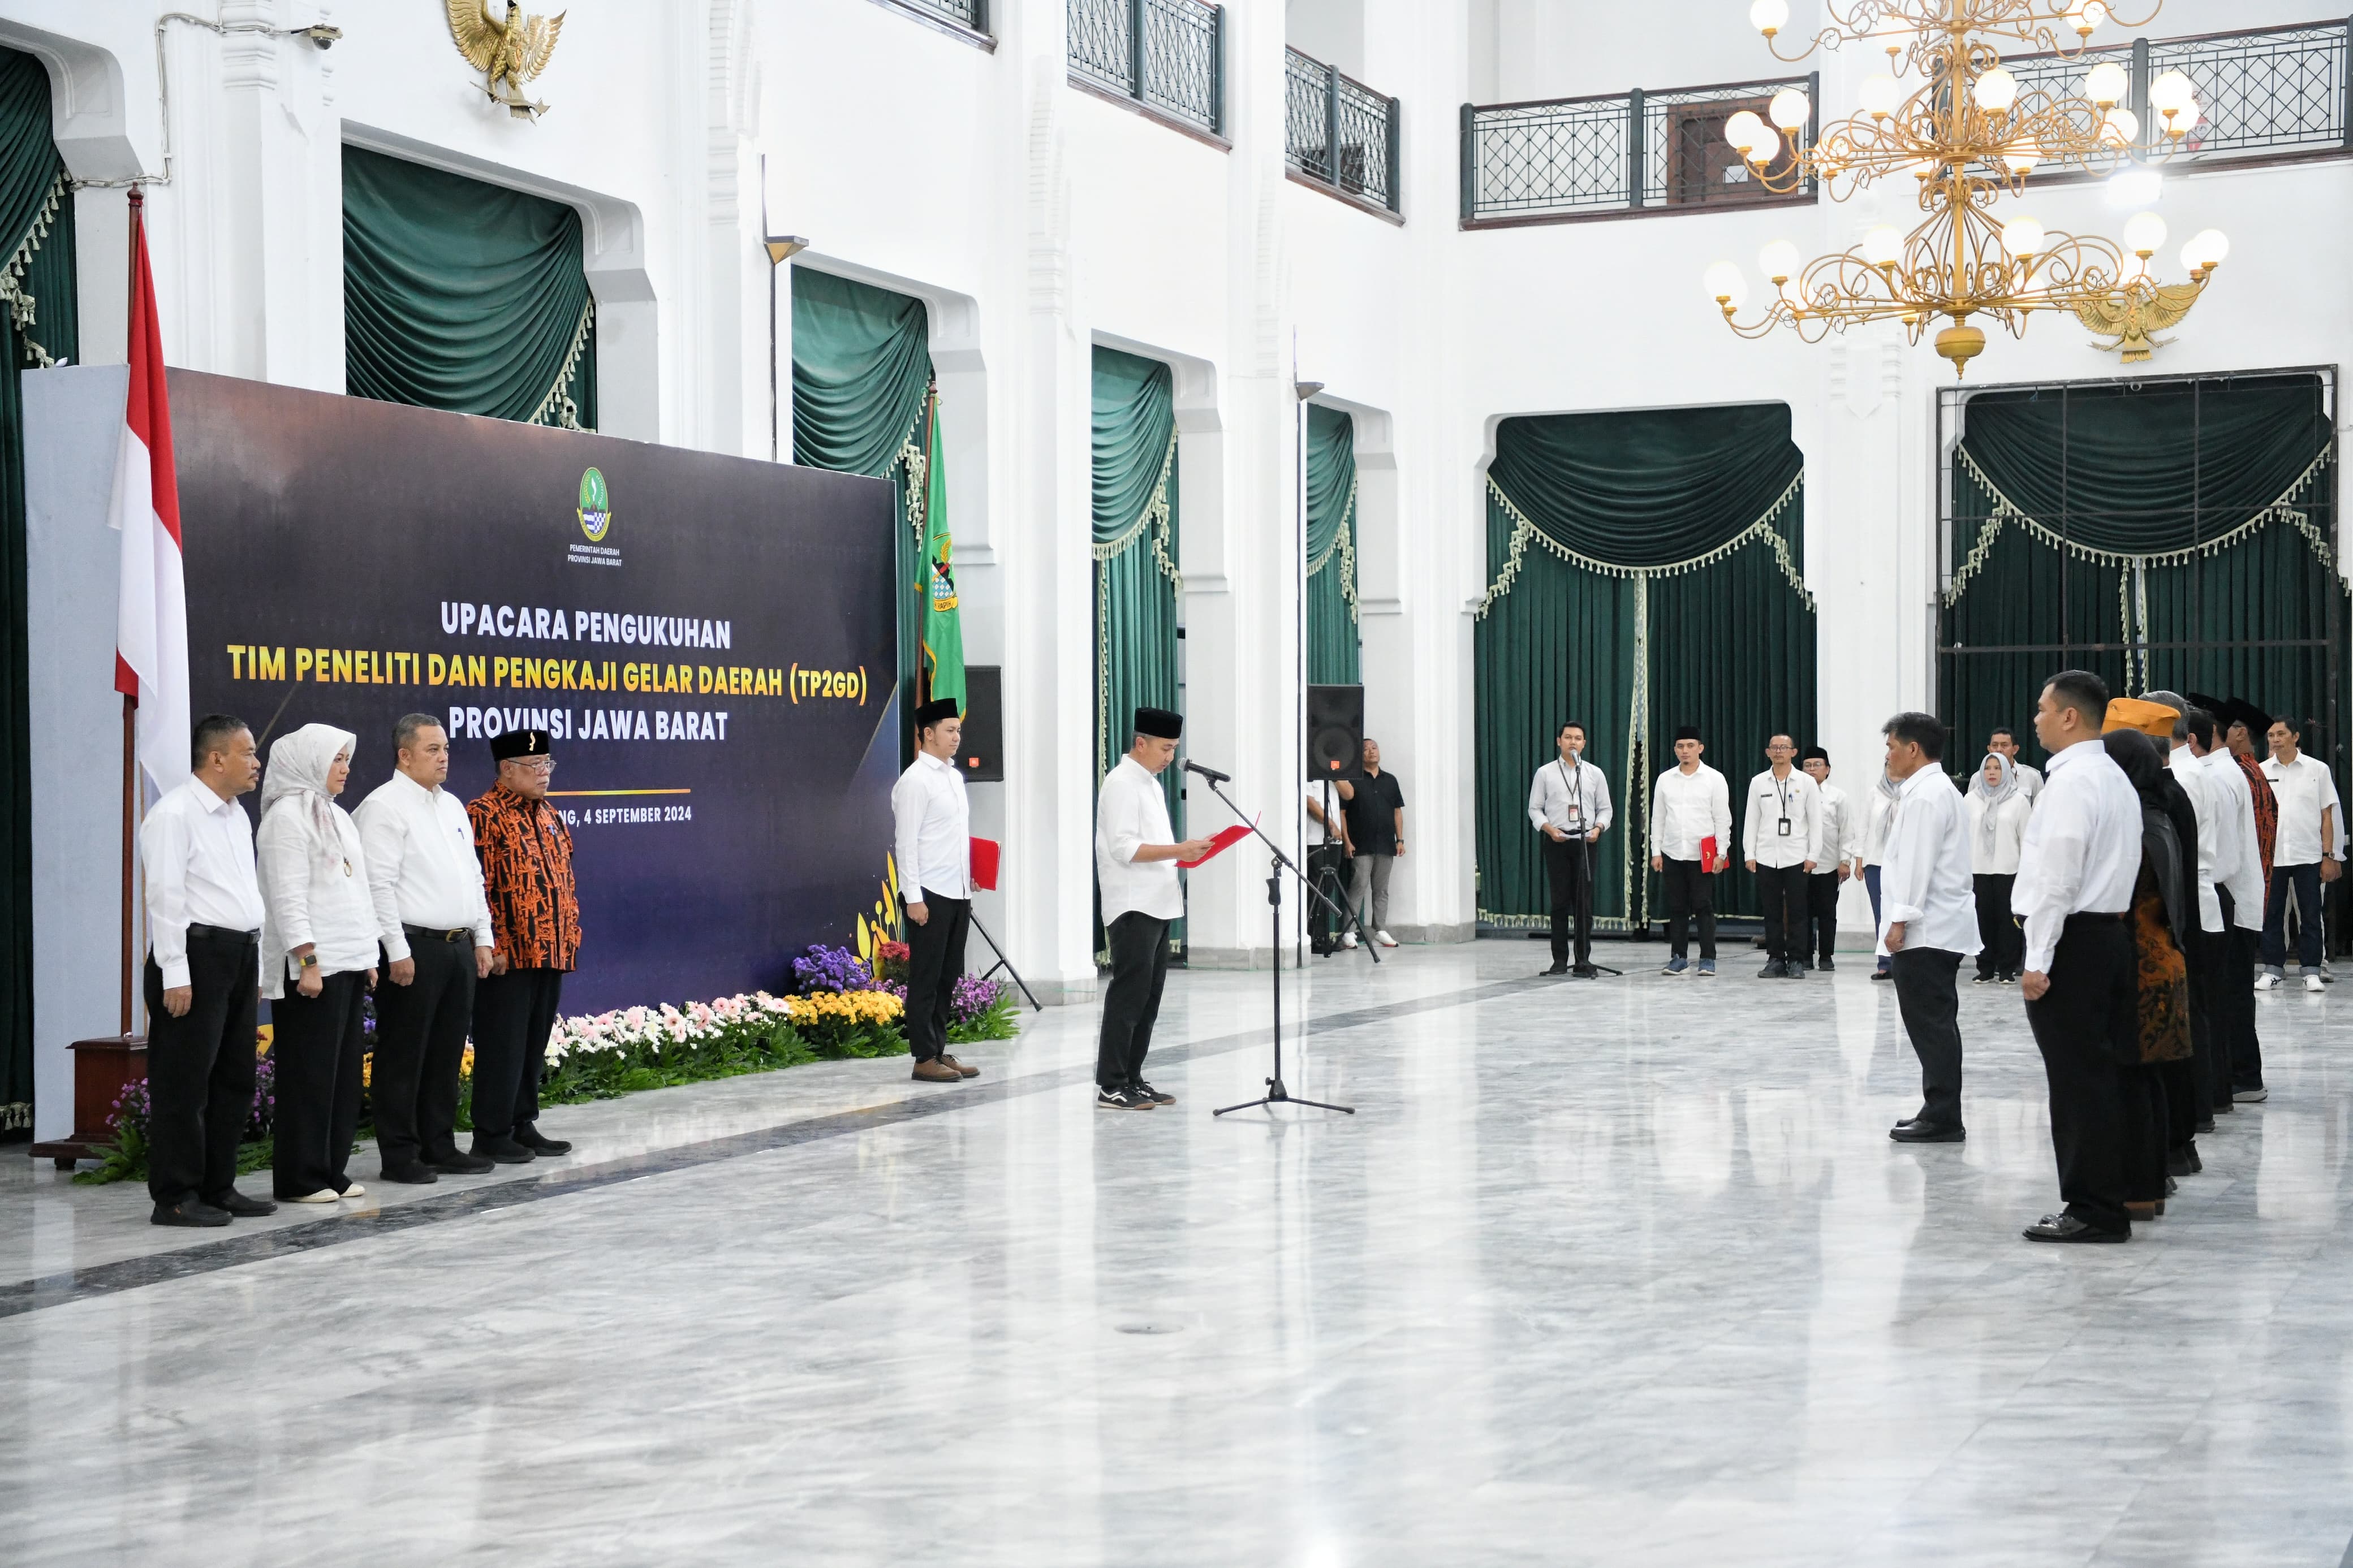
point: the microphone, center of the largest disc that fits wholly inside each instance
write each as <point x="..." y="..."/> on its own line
<point x="1212" y="775"/>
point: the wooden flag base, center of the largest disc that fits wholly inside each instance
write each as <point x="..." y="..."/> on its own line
<point x="102" y="1068"/>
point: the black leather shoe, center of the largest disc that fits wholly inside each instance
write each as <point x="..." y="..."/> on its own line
<point x="1883" y="975"/>
<point x="243" y="1207"/>
<point x="2204" y="1128"/>
<point x="1558" y="968"/>
<point x="1586" y="971"/>
<point x="2067" y="1228"/>
<point x="2183" y="1163"/>
<point x="1825" y="964"/>
<point x="528" y="1136"/>
<point x="410" y="1174"/>
<point x="192" y="1212"/>
<point x="503" y="1151"/>
<point x="457" y="1163"/>
<point x="1774" y="970"/>
<point x="1928" y="1133"/>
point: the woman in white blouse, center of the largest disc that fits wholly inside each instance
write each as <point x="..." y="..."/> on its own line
<point x="1998" y="809"/>
<point x="318" y="961"/>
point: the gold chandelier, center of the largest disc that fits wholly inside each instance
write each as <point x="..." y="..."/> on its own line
<point x="1967" y="133"/>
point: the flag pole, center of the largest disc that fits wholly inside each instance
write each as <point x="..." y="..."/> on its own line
<point x="130" y="714"/>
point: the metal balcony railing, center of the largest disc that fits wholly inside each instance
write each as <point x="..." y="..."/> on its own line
<point x="1620" y="152"/>
<point x="972" y="14"/>
<point x="2263" y="95"/>
<point x="1167" y="55"/>
<point x="1338" y="132"/>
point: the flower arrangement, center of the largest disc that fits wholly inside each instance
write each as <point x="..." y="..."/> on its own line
<point x="981" y="1010"/>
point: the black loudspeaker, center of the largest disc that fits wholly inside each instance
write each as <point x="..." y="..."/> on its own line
<point x="1336" y="730"/>
<point x="982" y="756"/>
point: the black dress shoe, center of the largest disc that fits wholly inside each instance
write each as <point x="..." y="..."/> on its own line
<point x="1558" y="968"/>
<point x="526" y="1134"/>
<point x="411" y="1174"/>
<point x="1774" y="970"/>
<point x="1883" y="975"/>
<point x="1824" y="963"/>
<point x="235" y="1202"/>
<point x="1928" y="1133"/>
<point x="2067" y="1228"/>
<point x="192" y="1212"/>
<point x="1586" y="971"/>
<point x="457" y="1163"/>
<point x="2205" y="1127"/>
<point x="2183" y="1161"/>
<point x="503" y="1151"/>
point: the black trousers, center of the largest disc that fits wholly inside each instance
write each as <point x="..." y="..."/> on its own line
<point x="1821" y="915"/>
<point x="2243" y="1068"/>
<point x="2087" y="1028"/>
<point x="1569" y="865"/>
<point x="513" y="1015"/>
<point x="2190" y="1086"/>
<point x="317" y="1042"/>
<point x="2001" y="945"/>
<point x="1139" y="968"/>
<point x="1691" y="893"/>
<point x="934" y="965"/>
<point x="1782" y="893"/>
<point x="1927" y="995"/>
<point x="200" y="1069"/>
<point x="2146" y="1119"/>
<point x="420" y="1050"/>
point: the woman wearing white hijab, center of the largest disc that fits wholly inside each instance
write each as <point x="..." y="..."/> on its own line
<point x="1998" y="809"/>
<point x="318" y="961"/>
<point x="1878" y="809"/>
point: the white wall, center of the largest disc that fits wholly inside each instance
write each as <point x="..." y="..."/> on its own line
<point x="1037" y="220"/>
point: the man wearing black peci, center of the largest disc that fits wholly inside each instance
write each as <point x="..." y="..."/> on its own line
<point x="2075" y="873"/>
<point x="202" y="980"/>
<point x="1928" y="919"/>
<point x="1136" y="852"/>
<point x="1568" y="802"/>
<point x="933" y="844"/>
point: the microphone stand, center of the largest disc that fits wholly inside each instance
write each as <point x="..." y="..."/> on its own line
<point x="1276" y="1094"/>
<point x="1583" y="935"/>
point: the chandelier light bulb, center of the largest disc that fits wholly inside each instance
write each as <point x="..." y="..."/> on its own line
<point x="2171" y="93"/>
<point x="2022" y="236"/>
<point x="1778" y="260"/>
<point x="1747" y="134"/>
<point x="2214" y="246"/>
<point x="2120" y="128"/>
<point x="2021" y="156"/>
<point x="2105" y="84"/>
<point x="2085" y="17"/>
<point x="1879" y="94"/>
<point x="2144" y="232"/>
<point x="1770" y="16"/>
<point x="1727" y="286"/>
<point x="1996" y="90"/>
<point x="1883" y="246"/>
<point x="1789" y="108"/>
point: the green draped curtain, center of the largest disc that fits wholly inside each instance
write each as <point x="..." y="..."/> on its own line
<point x="1135" y="513"/>
<point x="1332" y="640"/>
<point x="38" y="325"/>
<point x="464" y="295"/>
<point x="862" y="369"/>
<point x="2093" y="526"/>
<point x="1643" y="574"/>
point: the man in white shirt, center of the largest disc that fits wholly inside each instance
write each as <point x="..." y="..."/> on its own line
<point x="1328" y="860"/>
<point x="1841" y="833"/>
<point x="202" y="980"/>
<point x="1928" y="919"/>
<point x="2237" y="1062"/>
<point x="933" y="844"/>
<point x="2302" y="857"/>
<point x="2076" y="874"/>
<point x="1690" y="806"/>
<point x="1568" y="802"/>
<point x="1878" y="807"/>
<point x="1135" y="875"/>
<point x="434" y="925"/>
<point x="2188" y="1084"/>
<point x="2005" y="741"/>
<point x="1783" y="838"/>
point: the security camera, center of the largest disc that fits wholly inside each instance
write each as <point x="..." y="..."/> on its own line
<point x="321" y="34"/>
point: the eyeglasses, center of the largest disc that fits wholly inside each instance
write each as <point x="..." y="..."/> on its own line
<point x="536" y="765"/>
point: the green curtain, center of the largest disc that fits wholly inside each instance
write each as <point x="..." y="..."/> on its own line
<point x="1644" y="573"/>
<point x="1332" y="638"/>
<point x="2093" y="526"/>
<point x="39" y="325"/>
<point x="862" y="369"/>
<point x="464" y="295"/>
<point x="1136" y="553"/>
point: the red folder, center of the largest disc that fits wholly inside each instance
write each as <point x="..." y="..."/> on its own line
<point x="983" y="863"/>
<point x="1226" y="839"/>
<point x="1707" y="855"/>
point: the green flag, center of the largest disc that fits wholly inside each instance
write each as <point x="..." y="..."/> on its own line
<point x="943" y="630"/>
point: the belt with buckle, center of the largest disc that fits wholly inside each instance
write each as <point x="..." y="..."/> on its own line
<point x="199" y="932"/>
<point x="434" y="934"/>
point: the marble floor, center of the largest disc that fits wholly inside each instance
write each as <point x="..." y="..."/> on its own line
<point x="1623" y="1273"/>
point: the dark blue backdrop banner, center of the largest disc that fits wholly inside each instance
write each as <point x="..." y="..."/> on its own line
<point x="709" y="640"/>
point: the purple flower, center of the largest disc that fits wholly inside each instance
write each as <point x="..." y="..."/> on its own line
<point x="832" y="968"/>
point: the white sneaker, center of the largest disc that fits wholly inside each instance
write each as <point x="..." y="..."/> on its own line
<point x="1348" y="939"/>
<point x="2267" y="982"/>
<point x="1385" y="939"/>
<point x="355" y="1191"/>
<point x="2312" y="984"/>
<point x="324" y="1196"/>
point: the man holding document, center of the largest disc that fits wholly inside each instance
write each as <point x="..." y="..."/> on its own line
<point x="1136" y="853"/>
<point x="1691" y="841"/>
<point x="932" y="843"/>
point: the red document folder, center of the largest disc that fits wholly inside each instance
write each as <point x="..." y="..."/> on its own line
<point x="983" y="863"/>
<point x="1707" y="855"/>
<point x="1225" y="841"/>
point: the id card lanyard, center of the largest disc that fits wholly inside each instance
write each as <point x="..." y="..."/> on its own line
<point x="1576" y="783"/>
<point x="1781" y="788"/>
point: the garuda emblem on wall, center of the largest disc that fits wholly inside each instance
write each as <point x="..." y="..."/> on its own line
<point x="510" y="52"/>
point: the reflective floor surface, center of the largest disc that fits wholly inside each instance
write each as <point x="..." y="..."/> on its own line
<point x="1620" y="1273"/>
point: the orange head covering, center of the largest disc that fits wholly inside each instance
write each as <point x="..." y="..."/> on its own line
<point x="2154" y="720"/>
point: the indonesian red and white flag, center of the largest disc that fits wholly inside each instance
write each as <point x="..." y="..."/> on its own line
<point x="151" y="638"/>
